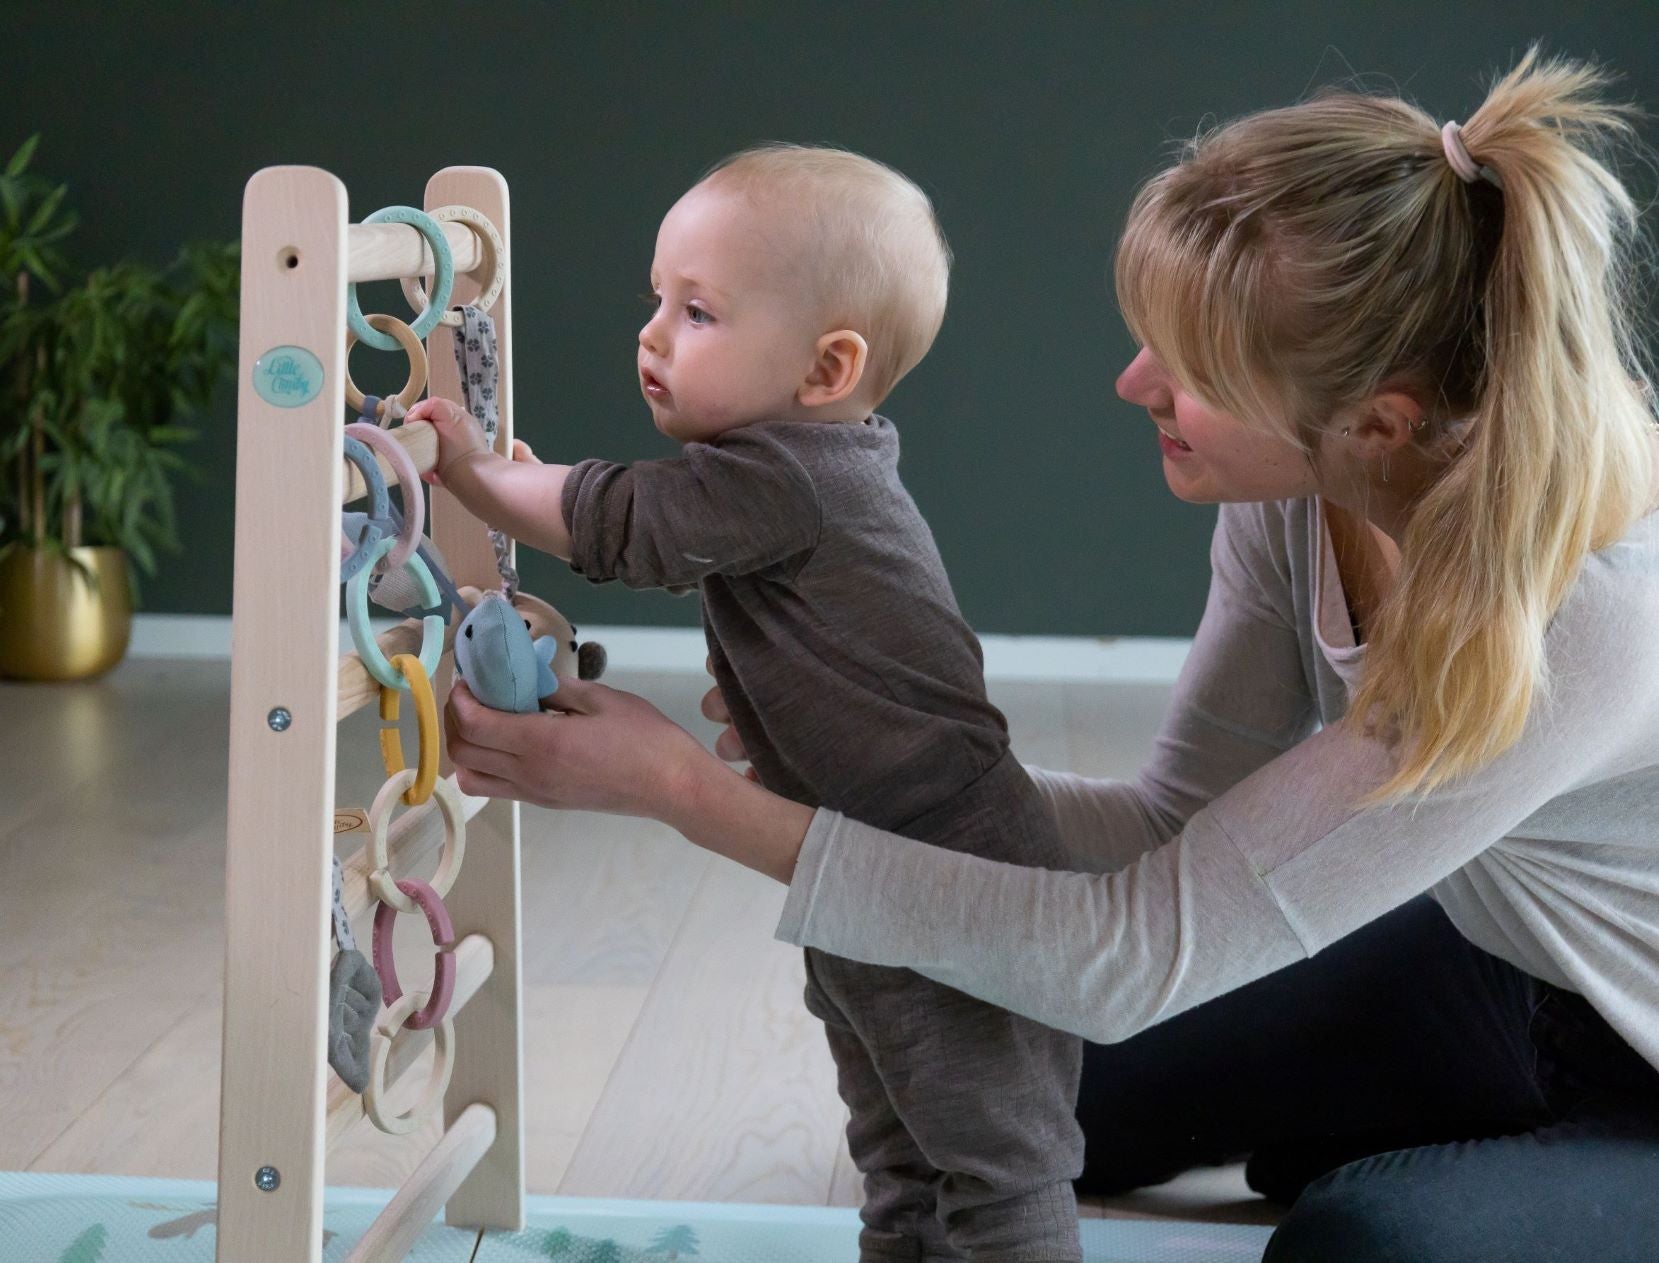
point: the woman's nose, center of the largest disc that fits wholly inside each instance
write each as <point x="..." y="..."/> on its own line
<point x="1142" y="381"/>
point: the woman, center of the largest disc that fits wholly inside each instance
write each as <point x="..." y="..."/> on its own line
<point x="1399" y="356"/>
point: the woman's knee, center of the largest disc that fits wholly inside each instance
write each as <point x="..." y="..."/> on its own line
<point x="1358" y="1214"/>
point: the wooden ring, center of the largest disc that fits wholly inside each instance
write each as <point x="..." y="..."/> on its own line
<point x="443" y="957"/>
<point x="455" y="840"/>
<point x="426" y="715"/>
<point x="494" y="250"/>
<point x="410" y="341"/>
<point x="380" y="1047"/>
<point x="409" y="483"/>
<point x="443" y="263"/>
<point x="362" y="634"/>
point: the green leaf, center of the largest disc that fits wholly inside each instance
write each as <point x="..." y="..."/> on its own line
<point x="20" y="159"/>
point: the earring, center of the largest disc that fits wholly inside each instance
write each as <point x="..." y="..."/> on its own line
<point x="1385" y="467"/>
<point x="1345" y="430"/>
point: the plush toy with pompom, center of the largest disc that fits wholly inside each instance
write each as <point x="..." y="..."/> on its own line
<point x="511" y="654"/>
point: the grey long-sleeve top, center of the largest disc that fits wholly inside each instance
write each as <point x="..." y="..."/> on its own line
<point x="1236" y="851"/>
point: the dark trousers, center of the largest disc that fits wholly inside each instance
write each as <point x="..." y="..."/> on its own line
<point x="1411" y="1097"/>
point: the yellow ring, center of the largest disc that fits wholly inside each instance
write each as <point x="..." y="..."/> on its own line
<point x="412" y="347"/>
<point x="426" y="715"/>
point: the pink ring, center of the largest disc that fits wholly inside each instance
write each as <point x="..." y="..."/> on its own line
<point x="408" y="479"/>
<point x="443" y="959"/>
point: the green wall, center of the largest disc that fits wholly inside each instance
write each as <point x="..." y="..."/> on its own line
<point x="1030" y="125"/>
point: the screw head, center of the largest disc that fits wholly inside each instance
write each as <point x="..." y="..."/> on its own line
<point x="279" y="719"/>
<point x="266" y="1179"/>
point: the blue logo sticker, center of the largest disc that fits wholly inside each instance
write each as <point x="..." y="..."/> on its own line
<point x="288" y="376"/>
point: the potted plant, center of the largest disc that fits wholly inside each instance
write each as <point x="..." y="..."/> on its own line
<point x="94" y="381"/>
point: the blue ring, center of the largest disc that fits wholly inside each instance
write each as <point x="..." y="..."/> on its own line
<point x="357" y="452"/>
<point x="443" y="283"/>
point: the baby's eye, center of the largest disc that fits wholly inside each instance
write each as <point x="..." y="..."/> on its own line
<point x="697" y="315"/>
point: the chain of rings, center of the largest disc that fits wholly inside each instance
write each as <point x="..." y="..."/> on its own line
<point x="385" y="543"/>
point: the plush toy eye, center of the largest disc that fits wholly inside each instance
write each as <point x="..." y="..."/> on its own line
<point x="469" y="633"/>
<point x="573" y="646"/>
<point x="574" y="631"/>
<point x="526" y="624"/>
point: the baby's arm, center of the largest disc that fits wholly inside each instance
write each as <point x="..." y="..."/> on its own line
<point x="520" y="497"/>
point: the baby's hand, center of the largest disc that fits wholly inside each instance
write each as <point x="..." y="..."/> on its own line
<point x="459" y="434"/>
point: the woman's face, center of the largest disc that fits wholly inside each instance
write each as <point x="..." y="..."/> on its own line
<point x="1209" y="456"/>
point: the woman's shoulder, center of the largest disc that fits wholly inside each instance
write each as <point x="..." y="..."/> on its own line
<point x="1270" y="539"/>
<point x="1613" y="601"/>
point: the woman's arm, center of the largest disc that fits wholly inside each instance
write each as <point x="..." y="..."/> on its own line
<point x="1274" y="869"/>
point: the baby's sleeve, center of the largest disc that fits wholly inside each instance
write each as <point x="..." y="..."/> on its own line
<point x="735" y="507"/>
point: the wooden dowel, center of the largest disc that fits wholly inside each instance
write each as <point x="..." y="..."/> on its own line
<point x="385" y="252"/>
<point x="474" y="960"/>
<point x="413" y="840"/>
<point x="356" y="688"/>
<point x="428" y="1187"/>
<point x="419" y="439"/>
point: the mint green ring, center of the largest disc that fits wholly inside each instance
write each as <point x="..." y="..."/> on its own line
<point x="443" y="284"/>
<point x="357" y="617"/>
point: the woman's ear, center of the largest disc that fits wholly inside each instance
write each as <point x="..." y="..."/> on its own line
<point x="1399" y="413"/>
<point x="839" y="359"/>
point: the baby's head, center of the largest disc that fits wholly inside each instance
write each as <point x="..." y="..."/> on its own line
<point x="790" y="283"/>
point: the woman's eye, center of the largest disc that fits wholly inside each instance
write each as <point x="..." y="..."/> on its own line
<point x="697" y="315"/>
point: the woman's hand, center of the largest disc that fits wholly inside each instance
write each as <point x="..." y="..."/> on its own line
<point x="600" y="749"/>
<point x="728" y="745"/>
<point x="594" y="749"/>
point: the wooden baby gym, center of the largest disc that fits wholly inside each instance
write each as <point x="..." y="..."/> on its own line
<point x="290" y="904"/>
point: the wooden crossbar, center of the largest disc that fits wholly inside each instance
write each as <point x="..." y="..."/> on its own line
<point x="419" y="439"/>
<point x="355" y="688"/>
<point x="430" y="1185"/>
<point x="385" y="252"/>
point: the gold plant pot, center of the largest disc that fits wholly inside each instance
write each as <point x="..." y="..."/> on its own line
<point x="54" y="623"/>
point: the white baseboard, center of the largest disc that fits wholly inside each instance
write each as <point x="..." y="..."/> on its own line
<point x="1116" y="659"/>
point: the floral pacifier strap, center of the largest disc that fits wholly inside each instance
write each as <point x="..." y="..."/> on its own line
<point x="475" y="356"/>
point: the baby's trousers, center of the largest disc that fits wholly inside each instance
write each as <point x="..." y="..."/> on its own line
<point x="963" y="1118"/>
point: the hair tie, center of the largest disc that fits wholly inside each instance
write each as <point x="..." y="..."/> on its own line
<point x="1468" y="170"/>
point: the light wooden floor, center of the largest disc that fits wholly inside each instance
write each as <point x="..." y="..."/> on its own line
<point x="667" y="1051"/>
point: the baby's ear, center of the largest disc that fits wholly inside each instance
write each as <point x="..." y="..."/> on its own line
<point x="838" y="364"/>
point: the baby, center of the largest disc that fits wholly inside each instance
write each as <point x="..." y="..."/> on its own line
<point x="792" y="289"/>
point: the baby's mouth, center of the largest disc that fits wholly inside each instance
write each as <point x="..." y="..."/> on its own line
<point x="649" y="383"/>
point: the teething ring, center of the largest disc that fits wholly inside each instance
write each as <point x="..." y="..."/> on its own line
<point x="455" y="840"/>
<point x="362" y="635"/>
<point x="494" y="250"/>
<point x="426" y="713"/>
<point x="443" y="958"/>
<point x="402" y="335"/>
<point x="443" y="263"/>
<point x="437" y="1083"/>
<point x="408" y="481"/>
<point x="355" y="556"/>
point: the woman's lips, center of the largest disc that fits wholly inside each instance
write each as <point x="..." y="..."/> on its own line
<point x="1172" y="447"/>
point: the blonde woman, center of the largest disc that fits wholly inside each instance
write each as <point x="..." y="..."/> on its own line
<point x="1399" y="355"/>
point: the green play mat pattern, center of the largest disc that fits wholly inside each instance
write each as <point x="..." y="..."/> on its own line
<point x="120" y="1219"/>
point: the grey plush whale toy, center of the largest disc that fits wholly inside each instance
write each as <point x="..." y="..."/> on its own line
<point x="506" y="665"/>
